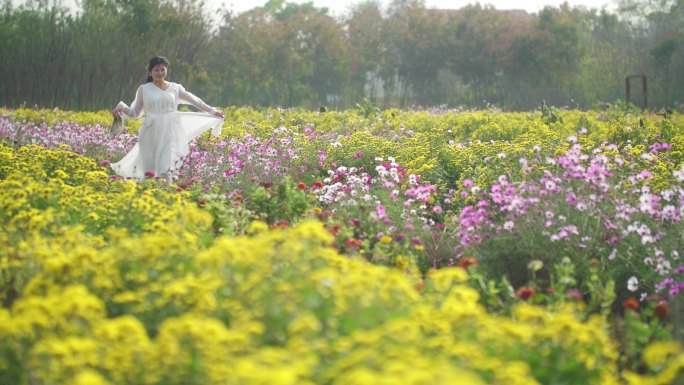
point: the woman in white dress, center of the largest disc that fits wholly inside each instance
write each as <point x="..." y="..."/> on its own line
<point x="165" y="132"/>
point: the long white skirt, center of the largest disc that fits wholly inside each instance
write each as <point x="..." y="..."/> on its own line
<point x="163" y="142"/>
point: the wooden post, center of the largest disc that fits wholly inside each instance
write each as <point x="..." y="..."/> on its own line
<point x="644" y="89"/>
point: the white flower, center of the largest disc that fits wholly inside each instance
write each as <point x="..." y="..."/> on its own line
<point x="612" y="255"/>
<point x="508" y="225"/>
<point x="633" y="284"/>
<point x="535" y="265"/>
<point x="679" y="175"/>
<point x="646" y="239"/>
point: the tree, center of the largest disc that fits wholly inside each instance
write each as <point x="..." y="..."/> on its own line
<point x="549" y="55"/>
<point x="367" y="49"/>
<point x="417" y="46"/>
<point x="480" y="40"/>
<point x="281" y="54"/>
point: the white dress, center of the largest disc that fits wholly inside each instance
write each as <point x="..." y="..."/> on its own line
<point x="165" y="132"/>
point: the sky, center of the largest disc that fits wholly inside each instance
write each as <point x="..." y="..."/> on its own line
<point x="340" y="7"/>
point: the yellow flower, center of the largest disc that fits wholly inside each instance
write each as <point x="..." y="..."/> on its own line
<point x="89" y="377"/>
<point x="61" y="174"/>
<point x="656" y="354"/>
<point x="444" y="279"/>
<point x="402" y="262"/>
<point x="305" y="323"/>
<point x="257" y="227"/>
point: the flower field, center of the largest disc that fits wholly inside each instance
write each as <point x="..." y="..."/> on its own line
<point x="355" y="247"/>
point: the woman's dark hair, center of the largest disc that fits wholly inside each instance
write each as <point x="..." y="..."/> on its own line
<point x="153" y="62"/>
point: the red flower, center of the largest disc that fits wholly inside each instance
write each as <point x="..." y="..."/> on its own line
<point x="239" y="198"/>
<point x="301" y="186"/>
<point x="201" y="203"/>
<point x="150" y="174"/>
<point x="630" y="303"/>
<point x="317" y="185"/>
<point x="467" y="262"/>
<point x="281" y="224"/>
<point x="662" y="310"/>
<point x="266" y="183"/>
<point x="525" y="293"/>
<point x="334" y="229"/>
<point x="352" y="243"/>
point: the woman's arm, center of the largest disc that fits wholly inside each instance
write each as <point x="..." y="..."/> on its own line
<point x="189" y="98"/>
<point x="135" y="110"/>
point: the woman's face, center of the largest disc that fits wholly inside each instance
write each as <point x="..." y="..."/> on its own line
<point x="158" y="72"/>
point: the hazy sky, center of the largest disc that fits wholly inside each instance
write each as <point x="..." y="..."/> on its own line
<point x="339" y="7"/>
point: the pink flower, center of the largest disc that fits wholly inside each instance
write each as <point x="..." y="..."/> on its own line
<point x="381" y="211"/>
<point x="105" y="163"/>
<point x="150" y="174"/>
<point x="574" y="294"/>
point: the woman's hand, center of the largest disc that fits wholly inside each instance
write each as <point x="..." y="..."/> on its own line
<point x="116" y="113"/>
<point x="219" y="113"/>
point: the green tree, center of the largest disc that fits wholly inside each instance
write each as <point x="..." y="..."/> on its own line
<point x="480" y="40"/>
<point x="367" y="49"/>
<point x="416" y="37"/>
<point x="548" y="56"/>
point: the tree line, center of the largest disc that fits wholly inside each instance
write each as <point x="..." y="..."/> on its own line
<point x="297" y="55"/>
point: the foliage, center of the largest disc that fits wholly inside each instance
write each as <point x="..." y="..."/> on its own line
<point x="91" y="54"/>
<point x="98" y="307"/>
<point x="331" y="248"/>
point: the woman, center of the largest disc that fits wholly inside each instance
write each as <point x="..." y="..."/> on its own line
<point x="165" y="132"/>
